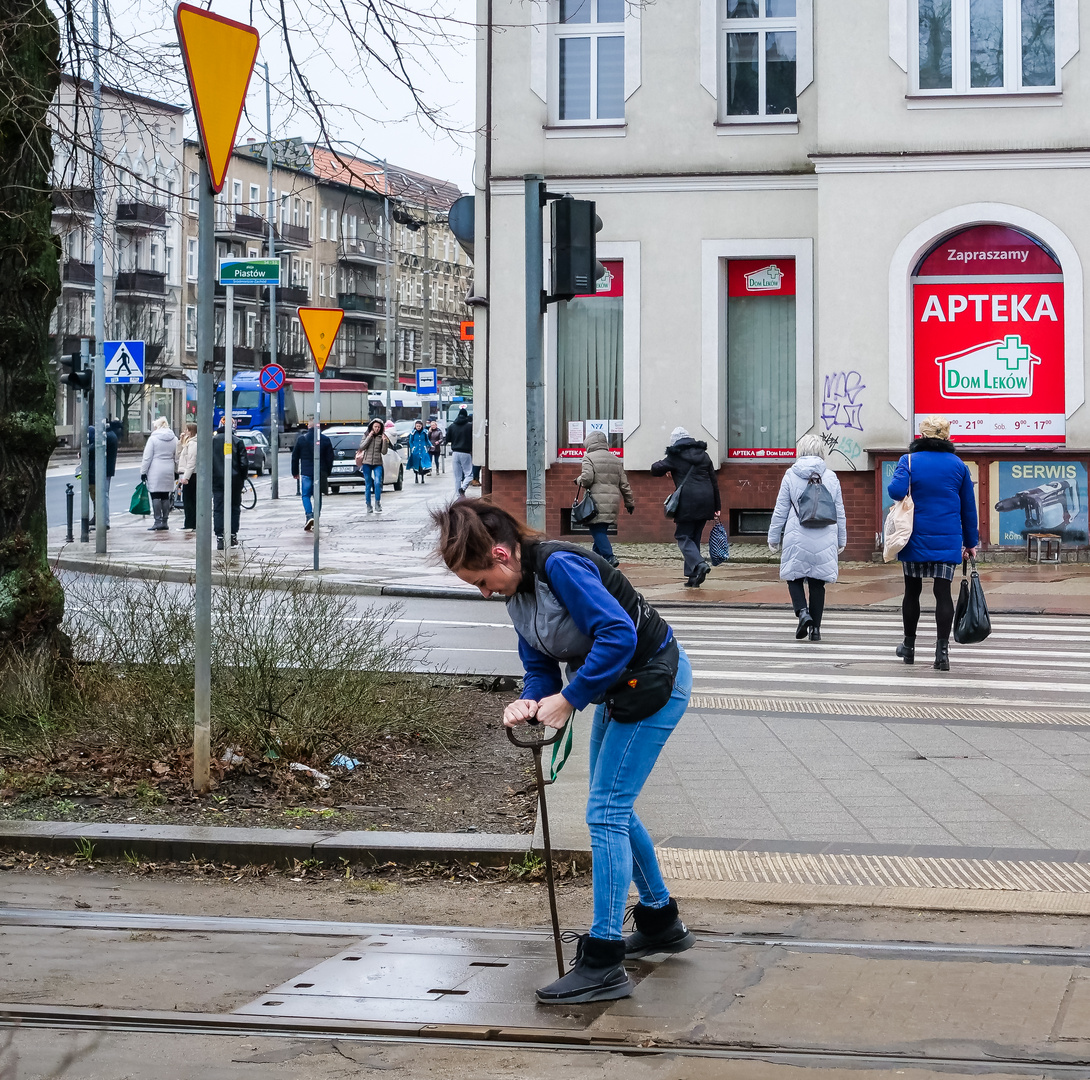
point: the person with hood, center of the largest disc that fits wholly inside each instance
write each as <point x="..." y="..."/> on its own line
<point x="460" y="437"/>
<point x="375" y="444"/>
<point x="113" y="429"/>
<point x="604" y="477"/>
<point x="808" y="556"/>
<point x="691" y="469"/>
<point x="157" y="470"/>
<point x="239" y="469"/>
<point x="944" y="530"/>
<point x="187" y="471"/>
<point x="435" y="445"/>
<point x="302" y="465"/>
<point x="419" y="451"/>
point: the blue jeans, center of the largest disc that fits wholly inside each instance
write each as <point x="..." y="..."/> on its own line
<point x="621" y="759"/>
<point x="601" y="539"/>
<point x="306" y="490"/>
<point x="372" y="479"/>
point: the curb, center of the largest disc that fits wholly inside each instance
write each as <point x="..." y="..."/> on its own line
<point x="182" y="843"/>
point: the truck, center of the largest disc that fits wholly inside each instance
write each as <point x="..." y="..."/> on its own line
<point x="343" y="401"/>
<point x="250" y="408"/>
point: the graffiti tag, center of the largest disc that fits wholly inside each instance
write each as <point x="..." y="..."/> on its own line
<point x="840" y="404"/>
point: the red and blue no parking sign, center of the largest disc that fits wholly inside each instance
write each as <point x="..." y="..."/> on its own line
<point x="272" y="378"/>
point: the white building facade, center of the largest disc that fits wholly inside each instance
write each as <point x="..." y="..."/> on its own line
<point x="818" y="216"/>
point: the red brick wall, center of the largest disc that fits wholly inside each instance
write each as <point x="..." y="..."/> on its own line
<point x="742" y="486"/>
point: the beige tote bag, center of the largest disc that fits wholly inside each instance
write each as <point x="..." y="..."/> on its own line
<point x="898" y="529"/>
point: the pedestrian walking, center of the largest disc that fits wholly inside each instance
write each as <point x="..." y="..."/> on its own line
<point x="187" y="474"/>
<point x="158" y="469"/>
<point x="691" y="469"/>
<point x="435" y="446"/>
<point x="112" y="432"/>
<point x="369" y="461"/>
<point x="460" y="437"/>
<point x="569" y="605"/>
<point x="302" y="469"/>
<point x="419" y="451"/>
<point x="944" y="530"/>
<point x="239" y="469"/>
<point x="604" y="478"/>
<point x="808" y="551"/>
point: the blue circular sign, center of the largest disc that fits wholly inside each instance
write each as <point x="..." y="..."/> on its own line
<point x="272" y="378"/>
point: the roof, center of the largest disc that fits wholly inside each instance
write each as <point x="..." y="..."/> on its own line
<point x="412" y="187"/>
<point x="85" y="85"/>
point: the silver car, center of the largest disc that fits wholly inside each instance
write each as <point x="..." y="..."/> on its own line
<point x="346" y="441"/>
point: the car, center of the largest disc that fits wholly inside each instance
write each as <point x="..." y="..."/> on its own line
<point x="346" y="441"/>
<point x="257" y="450"/>
<point x="401" y="429"/>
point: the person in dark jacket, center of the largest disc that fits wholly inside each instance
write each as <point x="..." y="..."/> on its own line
<point x="435" y="446"/>
<point x="570" y="606"/>
<point x="692" y="470"/>
<point x="112" y="429"/>
<point x="238" y="478"/>
<point x="944" y="530"/>
<point x="460" y="437"/>
<point x="302" y="469"/>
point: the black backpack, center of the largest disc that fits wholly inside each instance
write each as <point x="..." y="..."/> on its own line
<point x="816" y="507"/>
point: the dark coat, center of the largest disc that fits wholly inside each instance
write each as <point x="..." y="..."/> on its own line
<point x="700" y="495"/>
<point x="111" y="452"/>
<point x="945" y="517"/>
<point x="302" y="455"/>
<point x="460" y="434"/>
<point x="239" y="465"/>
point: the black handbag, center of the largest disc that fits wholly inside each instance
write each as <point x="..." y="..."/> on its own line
<point x="641" y="692"/>
<point x="673" y="500"/>
<point x="585" y="510"/>
<point x="972" y="623"/>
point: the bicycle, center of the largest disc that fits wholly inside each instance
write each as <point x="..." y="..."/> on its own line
<point x="248" y="498"/>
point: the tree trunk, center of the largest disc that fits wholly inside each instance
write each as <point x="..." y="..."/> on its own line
<point x="31" y="599"/>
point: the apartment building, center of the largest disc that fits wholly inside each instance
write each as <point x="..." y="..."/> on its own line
<point x="142" y="243"/>
<point x="818" y="217"/>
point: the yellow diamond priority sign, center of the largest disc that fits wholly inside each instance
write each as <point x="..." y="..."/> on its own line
<point x="321" y="324"/>
<point x="219" y="59"/>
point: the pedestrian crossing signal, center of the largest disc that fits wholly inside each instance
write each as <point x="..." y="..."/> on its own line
<point x="467" y="331"/>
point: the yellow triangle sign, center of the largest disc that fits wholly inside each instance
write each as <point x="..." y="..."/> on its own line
<point x="219" y="59"/>
<point x="320" y="324"/>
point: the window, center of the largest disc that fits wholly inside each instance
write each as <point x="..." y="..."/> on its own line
<point x="323" y="226"/>
<point x="295" y="207"/>
<point x="985" y="46"/>
<point x="296" y="271"/>
<point x="352" y="222"/>
<point x="194" y="192"/>
<point x="321" y="280"/>
<point x="153" y="262"/>
<point x="308" y="209"/>
<point x="191" y="328"/>
<point x="588" y="61"/>
<point x="590" y="364"/>
<point x="332" y="224"/>
<point x="761" y="370"/>
<point x="236" y="195"/>
<point x="170" y="196"/>
<point x="255" y="200"/>
<point x="757" y="61"/>
<point x="285" y="210"/>
<point x="168" y="262"/>
<point x="308" y="276"/>
<point x="251" y="328"/>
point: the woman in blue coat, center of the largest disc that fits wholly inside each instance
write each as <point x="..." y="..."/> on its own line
<point x="419" y="451"/>
<point x="944" y="530"/>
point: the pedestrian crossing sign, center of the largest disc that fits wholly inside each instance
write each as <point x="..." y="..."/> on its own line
<point x="124" y="361"/>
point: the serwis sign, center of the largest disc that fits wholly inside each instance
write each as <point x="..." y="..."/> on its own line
<point x="989" y="337"/>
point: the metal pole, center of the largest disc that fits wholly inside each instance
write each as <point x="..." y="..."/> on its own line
<point x="100" y="298"/>
<point x="274" y="399"/>
<point x="229" y="420"/>
<point x="85" y="475"/>
<point x="69" y="499"/>
<point x="389" y="297"/>
<point x="535" y="360"/>
<point x="425" y="352"/>
<point x="206" y="329"/>
<point x="316" y="482"/>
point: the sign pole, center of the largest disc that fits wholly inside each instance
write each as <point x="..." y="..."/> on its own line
<point x="316" y="482"/>
<point x="100" y="299"/>
<point x="228" y="420"/>
<point x="535" y="363"/>
<point x="274" y="398"/>
<point x="84" y="473"/>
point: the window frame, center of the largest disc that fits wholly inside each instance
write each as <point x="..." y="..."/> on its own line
<point x="961" y="61"/>
<point x="560" y="31"/>
<point x="761" y="25"/>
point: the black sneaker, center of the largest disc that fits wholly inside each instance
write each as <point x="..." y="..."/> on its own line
<point x="597" y="974"/>
<point x="658" y="930"/>
<point x="309" y="525"/>
<point x="219" y="543"/>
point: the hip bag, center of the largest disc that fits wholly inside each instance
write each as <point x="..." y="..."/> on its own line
<point x="640" y="692"/>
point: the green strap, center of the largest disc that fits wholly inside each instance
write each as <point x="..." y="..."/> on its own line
<point x="561" y="750"/>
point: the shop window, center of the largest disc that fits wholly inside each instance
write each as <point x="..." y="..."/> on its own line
<point x="985" y="46"/>
<point x="761" y="371"/>
<point x="758" y="41"/>
<point x="588" y="61"/>
<point x="590" y="365"/>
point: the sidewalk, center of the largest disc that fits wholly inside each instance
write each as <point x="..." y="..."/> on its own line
<point x="391" y="554"/>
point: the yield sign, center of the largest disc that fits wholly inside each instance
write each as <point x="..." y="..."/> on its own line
<point x="321" y="324"/>
<point x="219" y="58"/>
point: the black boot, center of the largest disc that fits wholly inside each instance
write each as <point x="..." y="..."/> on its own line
<point x="597" y="974"/>
<point x="805" y="622"/>
<point x="907" y="650"/>
<point x="942" y="654"/>
<point x="815" y="632"/>
<point x="658" y="930"/>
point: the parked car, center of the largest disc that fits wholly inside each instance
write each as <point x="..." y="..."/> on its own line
<point x="257" y="450"/>
<point x="346" y="441"/>
<point x="401" y="429"/>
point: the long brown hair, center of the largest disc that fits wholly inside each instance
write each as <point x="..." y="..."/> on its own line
<point x="470" y="528"/>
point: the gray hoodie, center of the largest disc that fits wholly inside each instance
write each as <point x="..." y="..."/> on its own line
<point x="808" y="553"/>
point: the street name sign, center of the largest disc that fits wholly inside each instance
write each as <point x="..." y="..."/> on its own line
<point x="321" y="324"/>
<point x="124" y="361"/>
<point x="249" y="272"/>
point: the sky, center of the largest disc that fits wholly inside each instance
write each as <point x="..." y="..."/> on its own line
<point x="363" y="105"/>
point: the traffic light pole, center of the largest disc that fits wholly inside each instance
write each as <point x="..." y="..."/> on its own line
<point x="535" y="356"/>
<point x="100" y="297"/>
<point x="84" y="473"/>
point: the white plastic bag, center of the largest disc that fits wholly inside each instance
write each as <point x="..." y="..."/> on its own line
<point x="898" y="528"/>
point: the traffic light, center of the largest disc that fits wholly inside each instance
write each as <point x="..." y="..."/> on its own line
<point x="575" y="267"/>
<point x="78" y="378"/>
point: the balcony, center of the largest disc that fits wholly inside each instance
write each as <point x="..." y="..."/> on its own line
<point x="73" y="201"/>
<point x="78" y="273"/>
<point x="289" y="295"/>
<point x="367" y="252"/>
<point x="243" y="358"/>
<point x="244" y="226"/>
<point x="361" y="354"/>
<point x="294" y="236"/>
<point x="141" y="215"/>
<point x="358" y="303"/>
<point x="148" y="282"/>
<point x="242" y="292"/>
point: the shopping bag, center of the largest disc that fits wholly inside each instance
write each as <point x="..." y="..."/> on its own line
<point x="718" y="545"/>
<point x="584" y="511"/>
<point x="141" y="500"/>
<point x="898" y="528"/>
<point x="178" y="500"/>
<point x="971" y="621"/>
